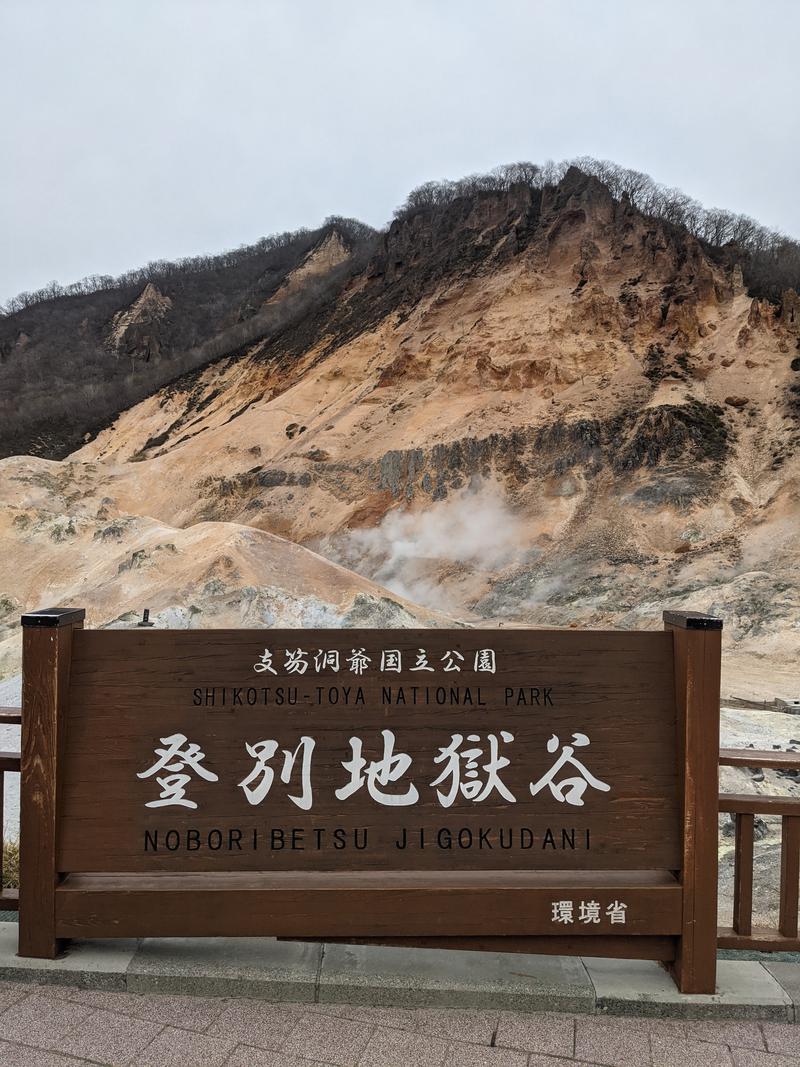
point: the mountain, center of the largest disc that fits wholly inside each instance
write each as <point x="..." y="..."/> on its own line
<point x="527" y="405"/>
<point x="73" y="357"/>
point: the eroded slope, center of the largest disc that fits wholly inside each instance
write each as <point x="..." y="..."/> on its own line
<point x="535" y="408"/>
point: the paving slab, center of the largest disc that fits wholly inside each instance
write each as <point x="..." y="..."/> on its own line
<point x="258" y="967"/>
<point x="745" y="990"/>
<point x="90" y="964"/>
<point x="406" y="977"/>
<point x="787" y="975"/>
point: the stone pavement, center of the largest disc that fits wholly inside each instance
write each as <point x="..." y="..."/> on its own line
<point x="62" y="1025"/>
<point x="257" y="1002"/>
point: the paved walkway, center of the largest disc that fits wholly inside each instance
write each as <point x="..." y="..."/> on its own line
<point x="58" y="1026"/>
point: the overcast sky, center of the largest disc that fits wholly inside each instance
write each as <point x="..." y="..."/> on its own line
<point x="137" y="130"/>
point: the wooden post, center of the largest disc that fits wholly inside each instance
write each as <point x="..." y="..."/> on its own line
<point x="790" y="873"/>
<point x="697" y="641"/>
<point x="743" y="875"/>
<point x="46" y="654"/>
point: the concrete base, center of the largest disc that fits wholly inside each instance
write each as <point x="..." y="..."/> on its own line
<point x="419" y="978"/>
<point x="256" y="967"/>
<point x="269" y="970"/>
<point x="93" y="964"/>
<point x="745" y="990"/>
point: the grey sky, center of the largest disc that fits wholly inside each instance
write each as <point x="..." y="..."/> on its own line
<point x="141" y="129"/>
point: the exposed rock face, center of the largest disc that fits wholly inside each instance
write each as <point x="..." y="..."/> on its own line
<point x="211" y="574"/>
<point x="329" y="254"/>
<point x="789" y="313"/>
<point x="550" y="372"/>
<point x="142" y="330"/>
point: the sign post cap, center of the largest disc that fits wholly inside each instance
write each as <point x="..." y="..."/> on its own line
<point x="53" y="617"/>
<point x="692" y="620"/>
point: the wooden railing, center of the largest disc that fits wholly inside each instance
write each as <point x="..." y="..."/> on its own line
<point x="9" y="762"/>
<point x="744" y="807"/>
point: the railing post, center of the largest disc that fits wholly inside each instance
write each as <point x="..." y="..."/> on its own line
<point x="697" y="643"/>
<point x="790" y="875"/>
<point x="743" y="875"/>
<point x="46" y="653"/>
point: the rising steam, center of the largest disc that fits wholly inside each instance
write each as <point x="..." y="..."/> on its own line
<point x="410" y="551"/>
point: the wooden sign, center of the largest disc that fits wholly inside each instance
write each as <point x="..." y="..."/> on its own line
<point x="529" y="790"/>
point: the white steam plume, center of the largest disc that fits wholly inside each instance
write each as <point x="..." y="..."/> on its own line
<point x="410" y="551"/>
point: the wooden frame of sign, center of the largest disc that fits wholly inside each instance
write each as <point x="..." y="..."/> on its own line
<point x="531" y="791"/>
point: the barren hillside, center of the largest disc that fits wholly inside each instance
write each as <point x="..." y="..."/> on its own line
<point x="530" y="407"/>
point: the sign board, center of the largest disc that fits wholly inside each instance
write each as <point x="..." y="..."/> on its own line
<point x="527" y="789"/>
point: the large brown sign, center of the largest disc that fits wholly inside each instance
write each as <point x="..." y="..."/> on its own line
<point x="369" y="784"/>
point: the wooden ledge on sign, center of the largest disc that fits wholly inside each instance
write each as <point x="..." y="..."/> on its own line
<point x="320" y="881"/>
<point x="358" y="903"/>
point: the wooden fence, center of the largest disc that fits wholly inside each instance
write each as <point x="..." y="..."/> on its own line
<point x="9" y="763"/>
<point x="744" y="807"/>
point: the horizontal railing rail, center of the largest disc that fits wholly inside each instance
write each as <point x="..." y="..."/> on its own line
<point x="9" y="763"/>
<point x="754" y="757"/>
<point x="744" y="807"/>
